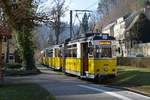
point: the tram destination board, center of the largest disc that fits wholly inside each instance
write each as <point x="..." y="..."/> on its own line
<point x="105" y="42"/>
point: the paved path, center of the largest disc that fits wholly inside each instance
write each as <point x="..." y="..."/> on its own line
<point x="72" y="88"/>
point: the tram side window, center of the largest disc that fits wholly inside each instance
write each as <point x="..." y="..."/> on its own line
<point x="49" y="54"/>
<point x="46" y="54"/>
<point x="71" y="51"/>
<point x="57" y="53"/>
<point x="67" y="53"/>
<point x="74" y="53"/>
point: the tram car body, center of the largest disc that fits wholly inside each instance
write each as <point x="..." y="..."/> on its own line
<point x="51" y="57"/>
<point x="88" y="57"/>
<point x="44" y="57"/>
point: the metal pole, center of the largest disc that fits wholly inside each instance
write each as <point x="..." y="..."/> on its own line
<point x="70" y="24"/>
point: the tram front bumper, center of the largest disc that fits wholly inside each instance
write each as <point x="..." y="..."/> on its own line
<point x="107" y="76"/>
<point x="93" y="76"/>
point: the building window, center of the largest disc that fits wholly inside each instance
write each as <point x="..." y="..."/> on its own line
<point x="11" y="57"/>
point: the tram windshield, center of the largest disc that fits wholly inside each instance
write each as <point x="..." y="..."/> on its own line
<point x="102" y="52"/>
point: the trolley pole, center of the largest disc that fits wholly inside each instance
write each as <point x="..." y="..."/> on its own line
<point x="71" y="17"/>
<point x="70" y="24"/>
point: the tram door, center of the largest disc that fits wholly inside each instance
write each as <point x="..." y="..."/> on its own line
<point x="84" y="57"/>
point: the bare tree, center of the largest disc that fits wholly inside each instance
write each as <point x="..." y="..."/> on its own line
<point x="58" y="11"/>
<point x="104" y="6"/>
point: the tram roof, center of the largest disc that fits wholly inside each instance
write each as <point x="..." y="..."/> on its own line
<point x="93" y="36"/>
<point x="84" y="38"/>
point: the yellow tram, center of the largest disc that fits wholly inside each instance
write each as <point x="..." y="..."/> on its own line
<point x="89" y="56"/>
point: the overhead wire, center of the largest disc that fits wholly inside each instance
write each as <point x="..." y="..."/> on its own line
<point x="90" y="6"/>
<point x="76" y="15"/>
<point x="86" y="9"/>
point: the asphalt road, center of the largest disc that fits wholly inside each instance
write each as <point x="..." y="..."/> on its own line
<point x="71" y="88"/>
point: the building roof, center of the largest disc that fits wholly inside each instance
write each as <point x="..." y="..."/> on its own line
<point x="109" y="25"/>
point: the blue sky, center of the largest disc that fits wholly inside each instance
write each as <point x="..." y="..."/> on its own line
<point x="84" y="4"/>
<point x="75" y="4"/>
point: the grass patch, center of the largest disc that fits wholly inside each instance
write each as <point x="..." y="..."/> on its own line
<point x="134" y="78"/>
<point x="21" y="72"/>
<point x="13" y="66"/>
<point x="24" y="92"/>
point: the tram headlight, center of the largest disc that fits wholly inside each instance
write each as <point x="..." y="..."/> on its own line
<point x="98" y="70"/>
<point x="106" y="68"/>
<point x="113" y="70"/>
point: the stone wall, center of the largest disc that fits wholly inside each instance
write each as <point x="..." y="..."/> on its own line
<point x="134" y="61"/>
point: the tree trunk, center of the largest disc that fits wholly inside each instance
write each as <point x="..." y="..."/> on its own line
<point x="57" y="38"/>
<point x="7" y="51"/>
<point x="1" y="64"/>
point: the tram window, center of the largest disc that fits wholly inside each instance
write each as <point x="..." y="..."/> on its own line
<point x="47" y="54"/>
<point x="71" y="51"/>
<point x="74" y="53"/>
<point x="90" y="44"/>
<point x="102" y="52"/>
<point x="57" y="53"/>
<point x="90" y="50"/>
<point x="11" y="57"/>
<point x="68" y="53"/>
<point x="97" y="53"/>
<point x="119" y="50"/>
<point x="51" y="54"/>
<point x="106" y="52"/>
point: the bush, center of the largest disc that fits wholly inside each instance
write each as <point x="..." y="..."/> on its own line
<point x="13" y="66"/>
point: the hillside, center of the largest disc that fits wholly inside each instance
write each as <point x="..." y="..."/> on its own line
<point x="121" y="8"/>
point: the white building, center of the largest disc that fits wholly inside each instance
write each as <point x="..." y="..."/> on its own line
<point x="119" y="29"/>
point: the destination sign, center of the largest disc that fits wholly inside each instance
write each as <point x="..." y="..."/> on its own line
<point x="105" y="42"/>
